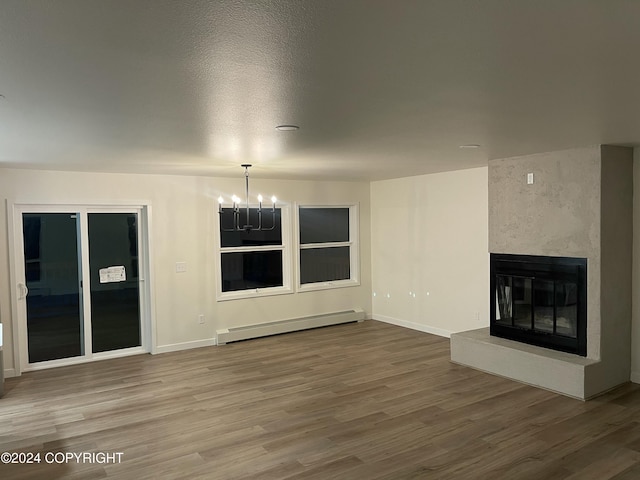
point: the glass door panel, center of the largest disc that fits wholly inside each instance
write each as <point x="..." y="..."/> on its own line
<point x="522" y="302"/>
<point x="543" y="305"/>
<point x="567" y="308"/>
<point x="115" y="292"/>
<point x="504" y="305"/>
<point x="52" y="275"/>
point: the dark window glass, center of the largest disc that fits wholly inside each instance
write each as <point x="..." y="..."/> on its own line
<point x="31" y="228"/>
<point x="54" y="313"/>
<point x="115" y="306"/>
<point x="32" y="271"/>
<point x="324" y="264"/>
<point x="323" y="225"/>
<point x="251" y="238"/>
<point x="249" y="270"/>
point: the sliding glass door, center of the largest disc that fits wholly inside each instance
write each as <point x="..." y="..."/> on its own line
<point x="52" y="276"/>
<point x="115" y="290"/>
<point x="80" y="280"/>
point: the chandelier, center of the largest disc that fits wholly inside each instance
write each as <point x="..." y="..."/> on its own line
<point x="241" y="222"/>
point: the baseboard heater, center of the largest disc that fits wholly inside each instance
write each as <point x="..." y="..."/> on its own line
<point x="246" y="332"/>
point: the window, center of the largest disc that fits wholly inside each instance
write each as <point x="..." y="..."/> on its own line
<point x="253" y="263"/>
<point x="328" y="247"/>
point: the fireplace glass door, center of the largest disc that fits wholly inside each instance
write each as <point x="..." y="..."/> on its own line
<point x="540" y="300"/>
<point x="546" y="306"/>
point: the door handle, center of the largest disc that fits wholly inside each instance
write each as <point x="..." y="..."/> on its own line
<point x="24" y="290"/>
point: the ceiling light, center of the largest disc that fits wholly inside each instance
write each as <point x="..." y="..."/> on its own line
<point x="469" y="145"/>
<point x="236" y="214"/>
<point x="287" y="128"/>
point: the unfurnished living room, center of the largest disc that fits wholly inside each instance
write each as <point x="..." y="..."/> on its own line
<point x="319" y="239"/>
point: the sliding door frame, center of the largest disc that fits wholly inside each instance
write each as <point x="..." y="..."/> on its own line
<point x="17" y="277"/>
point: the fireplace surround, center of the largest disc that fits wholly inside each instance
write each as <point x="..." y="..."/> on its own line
<point x="540" y="300"/>
<point x="580" y="205"/>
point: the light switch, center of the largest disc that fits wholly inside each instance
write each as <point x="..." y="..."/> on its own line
<point x="181" y="267"/>
<point x="529" y="178"/>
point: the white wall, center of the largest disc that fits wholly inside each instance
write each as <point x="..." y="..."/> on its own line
<point x="430" y="238"/>
<point x="183" y="229"/>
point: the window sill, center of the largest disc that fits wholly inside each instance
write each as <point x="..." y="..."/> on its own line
<point x="312" y="287"/>
<point x="253" y="293"/>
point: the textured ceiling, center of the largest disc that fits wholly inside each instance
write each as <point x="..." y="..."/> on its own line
<point x="380" y="89"/>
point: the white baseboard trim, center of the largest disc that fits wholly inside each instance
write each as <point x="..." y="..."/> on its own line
<point x="176" y="347"/>
<point x="635" y="377"/>
<point x="9" y="372"/>
<point x="412" y="325"/>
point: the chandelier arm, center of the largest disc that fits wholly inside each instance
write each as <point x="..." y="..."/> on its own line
<point x="273" y="221"/>
<point x="235" y="218"/>
<point x="224" y="229"/>
<point x="247" y="226"/>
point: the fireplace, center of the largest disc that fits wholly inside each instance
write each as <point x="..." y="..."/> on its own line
<point x="540" y="301"/>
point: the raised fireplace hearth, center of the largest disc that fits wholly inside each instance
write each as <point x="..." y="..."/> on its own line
<point x="540" y="300"/>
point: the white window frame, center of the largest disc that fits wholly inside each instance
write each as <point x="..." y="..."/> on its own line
<point x="285" y="248"/>
<point x="353" y="244"/>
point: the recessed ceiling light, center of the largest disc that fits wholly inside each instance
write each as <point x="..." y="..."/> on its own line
<point x="287" y="128"/>
<point x="469" y="145"/>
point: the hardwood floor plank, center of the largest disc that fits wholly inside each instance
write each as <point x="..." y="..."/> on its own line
<point x="607" y="465"/>
<point x="631" y="473"/>
<point x="358" y="401"/>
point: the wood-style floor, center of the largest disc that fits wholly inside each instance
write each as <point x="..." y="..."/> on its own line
<point x="357" y="401"/>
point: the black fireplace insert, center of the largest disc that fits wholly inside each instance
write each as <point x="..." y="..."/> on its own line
<point x="540" y="301"/>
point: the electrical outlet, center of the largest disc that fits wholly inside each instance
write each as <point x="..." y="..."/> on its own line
<point x="201" y="319"/>
<point x="181" y="267"/>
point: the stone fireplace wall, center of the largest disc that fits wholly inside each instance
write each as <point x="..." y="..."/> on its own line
<point x="579" y="205"/>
